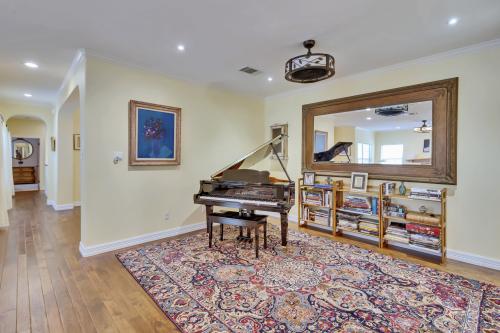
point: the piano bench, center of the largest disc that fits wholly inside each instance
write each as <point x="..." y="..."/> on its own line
<point x="253" y="221"/>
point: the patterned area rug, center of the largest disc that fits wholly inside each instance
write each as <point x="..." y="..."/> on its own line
<point x="313" y="285"/>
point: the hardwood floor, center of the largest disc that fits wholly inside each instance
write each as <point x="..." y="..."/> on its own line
<point x="45" y="286"/>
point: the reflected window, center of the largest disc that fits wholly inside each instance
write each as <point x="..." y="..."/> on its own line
<point x="391" y="154"/>
<point x="364" y="153"/>
<point x="320" y="141"/>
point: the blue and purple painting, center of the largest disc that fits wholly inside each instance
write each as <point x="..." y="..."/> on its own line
<point x="155" y="134"/>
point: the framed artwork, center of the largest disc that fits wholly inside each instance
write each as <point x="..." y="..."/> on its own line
<point x="281" y="148"/>
<point x="154" y="134"/>
<point x="320" y="141"/>
<point x="359" y="181"/>
<point x="309" y="178"/>
<point x="427" y="145"/>
<point x="53" y="143"/>
<point x="76" y="141"/>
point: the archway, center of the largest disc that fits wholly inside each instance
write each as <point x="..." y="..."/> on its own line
<point x="30" y="172"/>
<point x="68" y="153"/>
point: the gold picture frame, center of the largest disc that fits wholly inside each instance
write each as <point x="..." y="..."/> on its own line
<point x="76" y="141"/>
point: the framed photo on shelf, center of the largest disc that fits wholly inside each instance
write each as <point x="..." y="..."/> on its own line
<point x="309" y="178"/>
<point x="359" y="181"/>
<point x="154" y="134"/>
<point x="76" y="141"/>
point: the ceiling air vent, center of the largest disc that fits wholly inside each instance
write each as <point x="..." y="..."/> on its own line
<point x="392" y="110"/>
<point x="249" y="70"/>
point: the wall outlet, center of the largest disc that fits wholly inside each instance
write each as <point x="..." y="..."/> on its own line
<point x="167" y="216"/>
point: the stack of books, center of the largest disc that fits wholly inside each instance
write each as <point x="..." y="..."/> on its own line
<point x="426" y="241"/>
<point x="368" y="226"/>
<point x="425" y="193"/>
<point x="312" y="197"/>
<point x="319" y="216"/>
<point x="320" y="198"/>
<point x="358" y="204"/>
<point x="348" y="222"/>
<point x="397" y="232"/>
<point x="425" y="236"/>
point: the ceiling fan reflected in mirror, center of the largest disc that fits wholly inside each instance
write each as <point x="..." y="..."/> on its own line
<point x="310" y="67"/>
<point x="424" y="128"/>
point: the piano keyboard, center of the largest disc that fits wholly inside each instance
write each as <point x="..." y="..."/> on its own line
<point x="252" y="202"/>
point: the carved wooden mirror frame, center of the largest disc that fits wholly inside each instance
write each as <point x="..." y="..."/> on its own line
<point x="443" y="169"/>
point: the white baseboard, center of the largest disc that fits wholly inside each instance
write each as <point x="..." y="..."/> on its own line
<point x="26" y="187"/>
<point x="50" y="202"/>
<point x="63" y="206"/>
<point x="92" y="250"/>
<point x="77" y="204"/>
<point x="473" y="259"/>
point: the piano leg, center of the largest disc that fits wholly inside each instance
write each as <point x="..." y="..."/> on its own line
<point x="284" y="228"/>
<point x="209" y="210"/>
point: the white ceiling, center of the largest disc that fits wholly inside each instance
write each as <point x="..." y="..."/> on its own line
<point x="358" y="118"/>
<point x="222" y="36"/>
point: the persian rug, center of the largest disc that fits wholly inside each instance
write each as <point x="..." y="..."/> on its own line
<point x="312" y="285"/>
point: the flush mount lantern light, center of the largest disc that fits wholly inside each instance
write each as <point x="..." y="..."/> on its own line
<point x="392" y="110"/>
<point x="424" y="128"/>
<point x="310" y="67"/>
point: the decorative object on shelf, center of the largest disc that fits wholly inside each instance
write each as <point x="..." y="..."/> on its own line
<point x="76" y="141"/>
<point x="422" y="209"/>
<point x="154" y="134"/>
<point x="424" y="128"/>
<point x="329" y="180"/>
<point x="310" y="67"/>
<point x="53" y="143"/>
<point x="402" y="188"/>
<point x="309" y="178"/>
<point x="389" y="188"/>
<point x="282" y="147"/>
<point x="359" y="181"/>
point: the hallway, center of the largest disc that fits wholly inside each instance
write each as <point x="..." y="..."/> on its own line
<point x="45" y="286"/>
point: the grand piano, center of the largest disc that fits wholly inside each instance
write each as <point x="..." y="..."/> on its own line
<point x="239" y="186"/>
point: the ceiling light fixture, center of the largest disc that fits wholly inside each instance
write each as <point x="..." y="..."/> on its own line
<point x="28" y="95"/>
<point x="269" y="79"/>
<point x="368" y="118"/>
<point x="180" y="47"/>
<point x="310" y="67"/>
<point x="424" y="128"/>
<point x="30" y="64"/>
<point x="453" y="21"/>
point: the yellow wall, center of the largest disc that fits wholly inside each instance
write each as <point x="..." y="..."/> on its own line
<point x="76" y="159"/>
<point x="119" y="201"/>
<point x="473" y="225"/>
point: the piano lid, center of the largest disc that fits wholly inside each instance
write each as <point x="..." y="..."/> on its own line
<point x="252" y="158"/>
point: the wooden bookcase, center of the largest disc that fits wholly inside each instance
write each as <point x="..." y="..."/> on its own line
<point x="339" y="190"/>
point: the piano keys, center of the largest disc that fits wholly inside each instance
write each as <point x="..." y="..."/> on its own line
<point x="238" y="186"/>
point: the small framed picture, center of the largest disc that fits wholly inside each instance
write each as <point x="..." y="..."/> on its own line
<point x="309" y="178"/>
<point x="359" y="181"/>
<point x="53" y="143"/>
<point x="76" y="141"/>
<point x="427" y="146"/>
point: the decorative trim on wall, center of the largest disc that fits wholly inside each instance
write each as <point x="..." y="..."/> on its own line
<point x="92" y="250"/>
<point x="77" y="203"/>
<point x="473" y="259"/>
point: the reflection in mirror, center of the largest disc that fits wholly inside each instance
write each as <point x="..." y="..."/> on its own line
<point x="22" y="149"/>
<point x="393" y="134"/>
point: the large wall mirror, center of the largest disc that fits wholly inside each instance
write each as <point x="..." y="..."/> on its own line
<point x="22" y="149"/>
<point x="406" y="133"/>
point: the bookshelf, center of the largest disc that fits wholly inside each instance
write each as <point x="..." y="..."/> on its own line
<point x="330" y="200"/>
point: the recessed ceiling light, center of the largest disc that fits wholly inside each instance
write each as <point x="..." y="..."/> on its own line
<point x="398" y="127"/>
<point x="30" y="64"/>
<point x="27" y="95"/>
<point x="368" y="118"/>
<point x="453" y="21"/>
<point x="269" y="79"/>
<point x="180" y="47"/>
<point x="367" y="109"/>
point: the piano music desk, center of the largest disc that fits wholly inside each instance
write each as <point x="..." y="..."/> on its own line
<point x="253" y="221"/>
